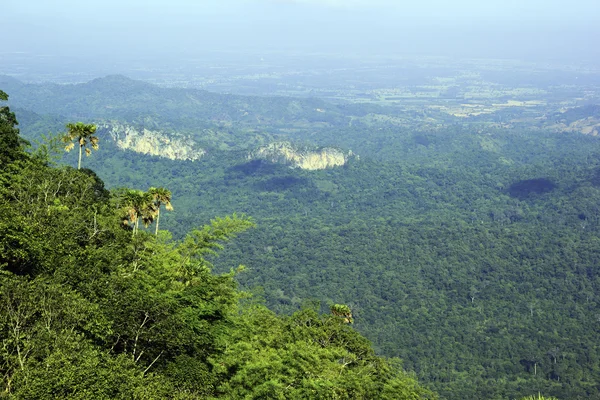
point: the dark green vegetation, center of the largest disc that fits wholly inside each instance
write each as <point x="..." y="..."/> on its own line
<point x="88" y="310"/>
<point x="468" y="250"/>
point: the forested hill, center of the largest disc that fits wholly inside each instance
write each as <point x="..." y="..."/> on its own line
<point x="92" y="307"/>
<point x="117" y="96"/>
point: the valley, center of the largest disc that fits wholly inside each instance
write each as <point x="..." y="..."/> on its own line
<point x="452" y="206"/>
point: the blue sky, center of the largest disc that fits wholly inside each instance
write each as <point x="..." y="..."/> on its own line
<point x="549" y="10"/>
<point x="486" y="28"/>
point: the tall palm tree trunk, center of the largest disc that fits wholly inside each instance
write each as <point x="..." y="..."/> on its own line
<point x="157" y="220"/>
<point x="79" y="163"/>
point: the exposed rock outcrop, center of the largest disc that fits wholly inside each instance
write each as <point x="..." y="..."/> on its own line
<point x="156" y="143"/>
<point x="584" y="119"/>
<point x="587" y="126"/>
<point x="310" y="159"/>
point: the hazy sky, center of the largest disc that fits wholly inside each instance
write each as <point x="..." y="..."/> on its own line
<point x="473" y="28"/>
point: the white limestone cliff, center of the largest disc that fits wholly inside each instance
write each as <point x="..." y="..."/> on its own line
<point x="151" y="142"/>
<point x="286" y="153"/>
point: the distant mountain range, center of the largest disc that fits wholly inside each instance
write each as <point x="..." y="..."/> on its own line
<point x="118" y="96"/>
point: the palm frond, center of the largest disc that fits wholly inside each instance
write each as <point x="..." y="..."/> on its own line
<point x="67" y="137"/>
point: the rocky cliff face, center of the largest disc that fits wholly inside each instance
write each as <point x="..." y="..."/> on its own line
<point x="156" y="143"/>
<point x="286" y="153"/>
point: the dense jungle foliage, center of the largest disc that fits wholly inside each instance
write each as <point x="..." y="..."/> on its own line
<point x="469" y="251"/>
<point x="478" y="268"/>
<point x="90" y="308"/>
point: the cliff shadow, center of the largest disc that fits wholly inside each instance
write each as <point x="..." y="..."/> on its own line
<point x="422" y="140"/>
<point x="282" y="183"/>
<point x="253" y="168"/>
<point x="531" y="187"/>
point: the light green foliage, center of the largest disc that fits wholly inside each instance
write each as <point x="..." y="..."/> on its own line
<point x="50" y="149"/>
<point x="308" y="356"/>
<point x="203" y="242"/>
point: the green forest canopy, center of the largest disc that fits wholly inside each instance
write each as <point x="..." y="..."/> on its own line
<point x="472" y="254"/>
<point x="88" y="310"/>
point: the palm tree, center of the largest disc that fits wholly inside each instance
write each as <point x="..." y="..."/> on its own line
<point x="138" y="206"/>
<point x="131" y="205"/>
<point x="160" y="196"/>
<point x="149" y="210"/>
<point x="83" y="134"/>
<point x="135" y="203"/>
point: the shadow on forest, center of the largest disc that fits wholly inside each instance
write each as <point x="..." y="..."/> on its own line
<point x="281" y="183"/>
<point x="526" y="188"/>
<point x="422" y="140"/>
<point x="254" y="167"/>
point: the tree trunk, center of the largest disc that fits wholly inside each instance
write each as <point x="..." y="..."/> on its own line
<point x="157" y="219"/>
<point x="79" y="163"/>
